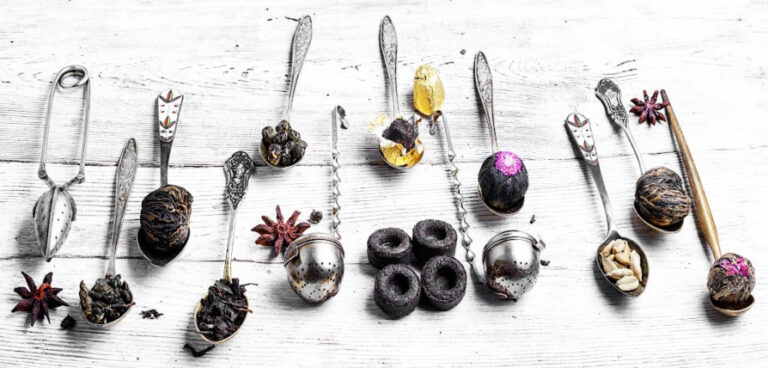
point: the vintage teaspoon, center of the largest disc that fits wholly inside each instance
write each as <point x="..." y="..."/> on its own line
<point x="124" y="177"/>
<point x="237" y="170"/>
<point x="580" y="130"/>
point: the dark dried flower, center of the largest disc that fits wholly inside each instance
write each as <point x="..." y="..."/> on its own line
<point x="151" y="314"/>
<point x="280" y="233"/>
<point x="38" y="300"/>
<point x="648" y="108"/>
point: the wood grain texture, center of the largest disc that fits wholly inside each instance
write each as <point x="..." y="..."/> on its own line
<point x="230" y="59"/>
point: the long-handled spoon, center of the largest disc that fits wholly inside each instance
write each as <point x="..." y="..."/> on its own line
<point x="610" y="95"/>
<point x="124" y="177"/>
<point x="302" y="38"/>
<point x="703" y="213"/>
<point x="580" y="130"/>
<point x="237" y="170"/>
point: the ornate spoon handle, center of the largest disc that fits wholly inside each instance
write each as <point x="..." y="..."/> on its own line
<point x="83" y="80"/>
<point x="168" y="111"/>
<point x="338" y="119"/>
<point x="124" y="176"/>
<point x="610" y="95"/>
<point x="302" y="38"/>
<point x="703" y="212"/>
<point x="484" y="85"/>
<point x="388" y="44"/>
<point x="237" y="170"/>
<point x="580" y="130"/>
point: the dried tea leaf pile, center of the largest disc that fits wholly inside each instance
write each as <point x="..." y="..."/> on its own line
<point x="223" y="310"/>
<point x="107" y="301"/>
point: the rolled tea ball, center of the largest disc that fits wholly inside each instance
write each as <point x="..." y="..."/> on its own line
<point x="660" y="197"/>
<point x="731" y="281"/>
<point x="503" y="181"/>
<point x="401" y="131"/>
<point x="165" y="216"/>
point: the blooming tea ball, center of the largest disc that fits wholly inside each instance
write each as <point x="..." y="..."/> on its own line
<point x="503" y="181"/>
<point x="660" y="197"/>
<point x="731" y="281"/>
<point x="165" y="216"/>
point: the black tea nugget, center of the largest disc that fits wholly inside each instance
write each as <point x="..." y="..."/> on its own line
<point x="389" y="246"/>
<point x="433" y="238"/>
<point x="397" y="290"/>
<point x="443" y="282"/>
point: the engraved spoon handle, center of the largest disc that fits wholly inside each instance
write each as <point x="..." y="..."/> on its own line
<point x="610" y="95"/>
<point x="388" y="44"/>
<point x="484" y="85"/>
<point x="703" y="212"/>
<point x="168" y="111"/>
<point x="580" y="130"/>
<point x="124" y="177"/>
<point x="302" y="38"/>
<point x="237" y="171"/>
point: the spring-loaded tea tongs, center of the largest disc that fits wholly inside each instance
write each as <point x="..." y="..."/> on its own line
<point x="55" y="209"/>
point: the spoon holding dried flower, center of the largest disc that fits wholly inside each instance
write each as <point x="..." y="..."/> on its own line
<point x="282" y="147"/>
<point x="731" y="278"/>
<point x="110" y="299"/>
<point x="220" y="313"/>
<point x="661" y="201"/>
<point x="503" y="178"/>
<point x="621" y="260"/>
<point x="399" y="143"/>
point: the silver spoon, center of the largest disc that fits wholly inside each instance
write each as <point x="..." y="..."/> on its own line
<point x="237" y="170"/>
<point x="388" y="45"/>
<point x="169" y="104"/>
<point x="55" y="210"/>
<point x="610" y="95"/>
<point x="302" y="38"/>
<point x="516" y="182"/>
<point x="124" y="177"/>
<point x="580" y="130"/>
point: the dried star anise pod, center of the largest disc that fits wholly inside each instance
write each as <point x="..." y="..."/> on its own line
<point x="648" y="108"/>
<point x="38" y="300"/>
<point x="280" y="233"/>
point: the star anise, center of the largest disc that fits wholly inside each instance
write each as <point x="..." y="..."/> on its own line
<point x="647" y="109"/>
<point x="38" y="300"/>
<point x="280" y="233"/>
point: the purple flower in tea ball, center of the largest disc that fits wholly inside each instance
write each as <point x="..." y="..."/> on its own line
<point x="503" y="181"/>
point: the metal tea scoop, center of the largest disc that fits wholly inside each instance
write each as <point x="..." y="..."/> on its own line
<point x="580" y="130"/>
<point x="168" y="110"/>
<point x="302" y="38"/>
<point x="315" y="262"/>
<point x="124" y="177"/>
<point x="388" y="45"/>
<point x="511" y="258"/>
<point x="610" y="95"/>
<point x="55" y="210"/>
<point x="237" y="170"/>
<point x="503" y="178"/>
<point x="703" y="213"/>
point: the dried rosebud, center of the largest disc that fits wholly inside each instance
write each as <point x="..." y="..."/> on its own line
<point x="731" y="281"/>
<point x="428" y="92"/>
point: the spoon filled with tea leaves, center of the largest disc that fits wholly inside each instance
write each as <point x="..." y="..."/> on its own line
<point x="110" y="298"/>
<point x="620" y="260"/>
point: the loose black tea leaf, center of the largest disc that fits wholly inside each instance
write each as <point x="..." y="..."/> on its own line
<point x="223" y="310"/>
<point x="107" y="301"/>
<point x="315" y="217"/>
<point x="533" y="219"/>
<point x="68" y="323"/>
<point x="198" y="353"/>
<point x="151" y="314"/>
<point x="38" y="300"/>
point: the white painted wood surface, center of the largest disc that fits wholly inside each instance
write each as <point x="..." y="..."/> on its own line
<point x="230" y="61"/>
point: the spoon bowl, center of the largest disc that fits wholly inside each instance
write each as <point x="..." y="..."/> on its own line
<point x="108" y="324"/>
<point x="633" y="245"/>
<point x="264" y="155"/>
<point x="732" y="312"/>
<point x="671" y="229"/>
<point x="199" y="307"/>
<point x="159" y="259"/>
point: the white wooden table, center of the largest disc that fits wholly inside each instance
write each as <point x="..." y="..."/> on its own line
<point x="230" y="59"/>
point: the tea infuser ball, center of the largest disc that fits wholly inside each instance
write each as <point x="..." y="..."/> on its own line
<point x="503" y="178"/>
<point x="315" y="262"/>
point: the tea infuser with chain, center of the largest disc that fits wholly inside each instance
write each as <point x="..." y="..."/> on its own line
<point x="55" y="210"/>
<point x="315" y="262"/>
